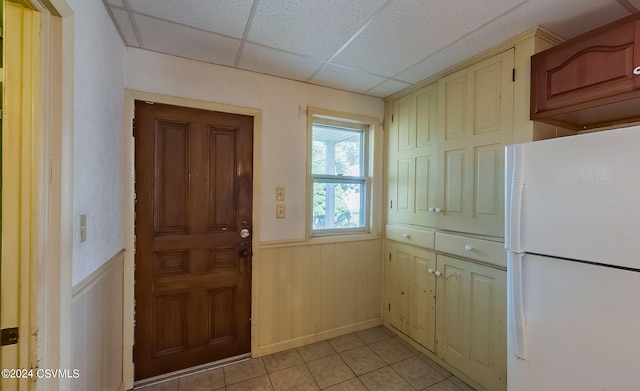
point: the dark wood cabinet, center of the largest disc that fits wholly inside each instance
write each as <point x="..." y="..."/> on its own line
<point x="591" y="80"/>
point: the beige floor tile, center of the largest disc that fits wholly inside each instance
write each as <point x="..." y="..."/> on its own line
<point x="385" y="379"/>
<point x="438" y="368"/>
<point x="390" y="350"/>
<point x="462" y="385"/>
<point x="350" y="385"/>
<point x="329" y="370"/>
<point x="345" y="342"/>
<point x="170" y="385"/>
<point x="417" y="373"/>
<point x="315" y="351"/>
<point x="362" y="360"/>
<point x="260" y="383"/>
<point x="445" y="385"/>
<point x="244" y="370"/>
<point x="202" y="381"/>
<point x="282" y="360"/>
<point x="296" y="378"/>
<point x="374" y="334"/>
<point x="407" y="345"/>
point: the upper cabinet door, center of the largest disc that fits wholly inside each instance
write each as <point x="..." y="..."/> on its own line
<point x="476" y="120"/>
<point x="590" y="80"/>
<point x="412" y="162"/>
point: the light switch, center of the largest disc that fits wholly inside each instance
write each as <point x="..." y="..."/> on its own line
<point x="280" y="193"/>
<point x="280" y="211"/>
<point x="83" y="228"/>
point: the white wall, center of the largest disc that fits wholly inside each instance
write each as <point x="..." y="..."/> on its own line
<point x="283" y="125"/>
<point x="97" y="153"/>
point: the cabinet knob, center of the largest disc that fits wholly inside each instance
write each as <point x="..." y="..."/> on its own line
<point x="438" y="273"/>
<point x="636" y="71"/>
<point x="437" y="210"/>
<point x="468" y="248"/>
<point x="431" y="209"/>
<point x="406" y="236"/>
<point x="430" y="270"/>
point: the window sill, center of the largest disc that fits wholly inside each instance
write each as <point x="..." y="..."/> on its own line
<point x="342" y="238"/>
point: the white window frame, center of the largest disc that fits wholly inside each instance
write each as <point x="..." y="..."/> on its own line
<point x="369" y="126"/>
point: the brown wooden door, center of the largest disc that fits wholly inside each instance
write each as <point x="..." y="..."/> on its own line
<point x="193" y="268"/>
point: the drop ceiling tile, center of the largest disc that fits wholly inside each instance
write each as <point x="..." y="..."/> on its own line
<point x="222" y="17"/>
<point x="408" y="31"/>
<point x="346" y="79"/>
<point x="124" y="25"/>
<point x="278" y="63"/>
<point x="387" y="88"/>
<point x="569" y="18"/>
<point x="313" y="28"/>
<point x="592" y="13"/>
<point x="177" y="40"/>
<point x="117" y="3"/>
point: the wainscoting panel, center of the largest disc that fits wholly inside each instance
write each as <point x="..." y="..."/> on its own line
<point x="97" y="328"/>
<point x="309" y="293"/>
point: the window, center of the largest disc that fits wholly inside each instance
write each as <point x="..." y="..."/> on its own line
<point x="340" y="183"/>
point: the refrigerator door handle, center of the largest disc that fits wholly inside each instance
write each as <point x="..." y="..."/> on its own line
<point x="514" y="192"/>
<point x="518" y="322"/>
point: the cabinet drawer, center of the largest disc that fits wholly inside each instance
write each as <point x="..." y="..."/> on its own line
<point x="416" y="237"/>
<point x="478" y="249"/>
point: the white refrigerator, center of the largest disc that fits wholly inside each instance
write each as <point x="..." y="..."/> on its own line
<point x="572" y="232"/>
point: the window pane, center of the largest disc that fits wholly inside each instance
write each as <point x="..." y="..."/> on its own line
<point x="337" y="151"/>
<point x="338" y="205"/>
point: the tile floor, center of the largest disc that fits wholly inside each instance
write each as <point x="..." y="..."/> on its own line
<point x="373" y="359"/>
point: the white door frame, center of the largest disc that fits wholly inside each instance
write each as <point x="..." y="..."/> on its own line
<point x="130" y="96"/>
<point x="53" y="285"/>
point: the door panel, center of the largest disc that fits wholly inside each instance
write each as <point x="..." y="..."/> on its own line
<point x="193" y="269"/>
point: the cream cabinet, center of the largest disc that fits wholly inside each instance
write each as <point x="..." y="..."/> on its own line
<point x="411" y="291"/>
<point x="445" y="150"/>
<point x="475" y="122"/>
<point x="412" y="159"/>
<point x="453" y="307"/>
<point x="471" y="314"/>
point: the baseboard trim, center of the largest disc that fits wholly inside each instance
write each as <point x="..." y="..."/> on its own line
<point x="317" y="337"/>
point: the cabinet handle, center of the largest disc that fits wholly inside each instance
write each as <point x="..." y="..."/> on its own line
<point x="636" y="71"/>
<point x="468" y="248"/>
<point x="438" y="273"/>
<point x="430" y="270"/>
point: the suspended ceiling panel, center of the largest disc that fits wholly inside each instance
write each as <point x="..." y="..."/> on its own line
<point x="373" y="47"/>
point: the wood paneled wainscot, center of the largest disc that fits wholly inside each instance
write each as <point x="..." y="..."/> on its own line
<point x="309" y="293"/>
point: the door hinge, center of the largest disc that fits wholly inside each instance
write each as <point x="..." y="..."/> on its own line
<point x="392" y="118"/>
<point x="9" y="336"/>
<point x="391" y="207"/>
<point x="389" y="307"/>
<point x="389" y="256"/>
<point x="513" y="74"/>
<point x="133" y="127"/>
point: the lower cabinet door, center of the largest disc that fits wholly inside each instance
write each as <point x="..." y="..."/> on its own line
<point x="471" y="320"/>
<point x="410" y="287"/>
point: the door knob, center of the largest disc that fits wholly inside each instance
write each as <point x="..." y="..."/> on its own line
<point x="244" y="233"/>
<point x="438" y="273"/>
<point x="636" y="71"/>
<point x="245" y="252"/>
